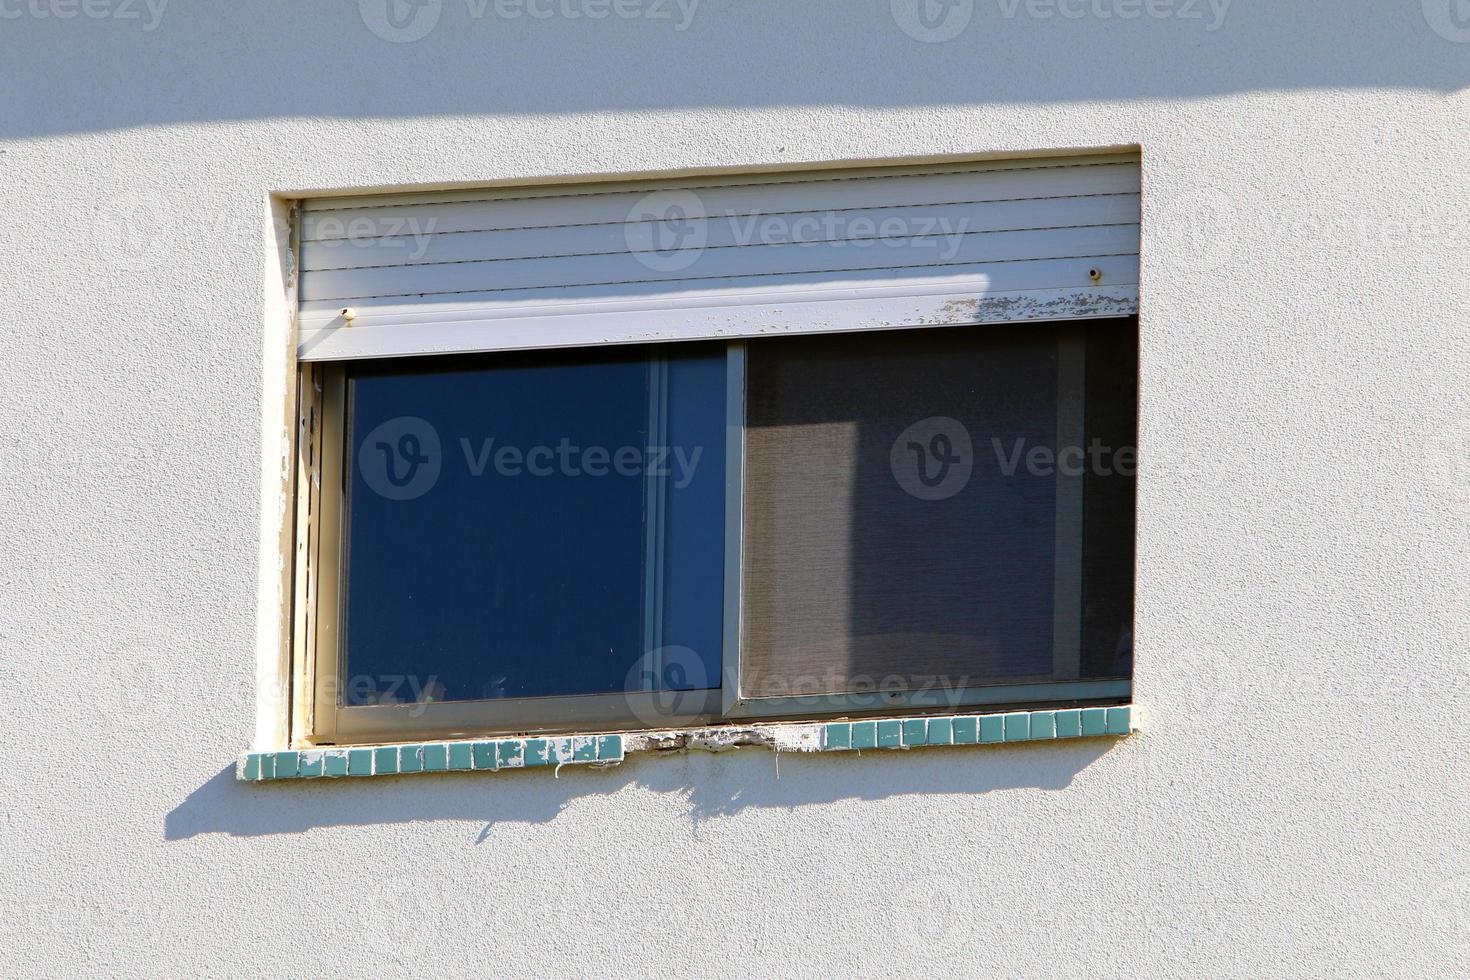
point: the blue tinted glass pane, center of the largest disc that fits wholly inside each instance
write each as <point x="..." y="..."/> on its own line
<point x="692" y="622"/>
<point x="498" y="533"/>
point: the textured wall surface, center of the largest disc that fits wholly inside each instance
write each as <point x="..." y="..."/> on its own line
<point x="1297" y="802"/>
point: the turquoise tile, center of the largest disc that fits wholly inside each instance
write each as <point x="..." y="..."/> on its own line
<point x="966" y="731"/>
<point x="410" y="758"/>
<point x="890" y="734"/>
<point x="1043" y="724"/>
<point x="1069" y="723"/>
<point x="359" y="762"/>
<point x="837" y="737"/>
<point x="915" y="731"/>
<point x="510" y="753"/>
<point x="311" y="765"/>
<point x="992" y="728"/>
<point x="336" y="763"/>
<point x="1117" y="721"/>
<point x="864" y="735"/>
<point x="610" y="748"/>
<point x="252" y="767"/>
<point x="267" y="765"/>
<point x="385" y="759"/>
<point x="484" y="755"/>
<point x="1017" y="726"/>
<point x="287" y="764"/>
<point x="538" y="752"/>
<point x="584" y="748"/>
<point x="1094" y="721"/>
<point x="460" y="756"/>
<point x="940" y="731"/>
<point x="436" y="757"/>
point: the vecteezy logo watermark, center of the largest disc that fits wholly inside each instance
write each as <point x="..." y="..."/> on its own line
<point x="120" y="10"/>
<point x="1446" y="915"/>
<point x="128" y="235"/>
<point x="409" y="909"/>
<point x="933" y="917"/>
<point x="1450" y="19"/>
<point x="400" y="21"/>
<point x="1445" y="459"/>
<point x="401" y="458"/>
<point x="131" y="692"/>
<point x="932" y="21"/>
<point x="1204" y="234"/>
<point x="933" y="458"/>
<point x="669" y="682"/>
<point x="666" y="231"/>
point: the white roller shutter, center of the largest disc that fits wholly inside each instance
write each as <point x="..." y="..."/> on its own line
<point x="719" y="257"/>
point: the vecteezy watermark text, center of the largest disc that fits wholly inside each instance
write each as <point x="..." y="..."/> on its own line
<point x="669" y="230"/>
<point x="1119" y="10"/>
<point x="406" y="238"/>
<point x="148" y="13"/>
<point x="569" y="459"/>
<point x="934" y="21"/>
<point x="1097" y="458"/>
<point x="405" y="21"/>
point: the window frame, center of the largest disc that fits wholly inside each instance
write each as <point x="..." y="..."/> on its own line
<point x="318" y="718"/>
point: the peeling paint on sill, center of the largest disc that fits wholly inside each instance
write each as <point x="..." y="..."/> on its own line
<point x="1005" y="309"/>
<point x="490" y="755"/>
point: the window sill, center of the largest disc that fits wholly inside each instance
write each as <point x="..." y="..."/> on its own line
<point x="605" y="750"/>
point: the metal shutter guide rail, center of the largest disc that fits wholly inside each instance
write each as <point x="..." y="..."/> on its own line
<point x="732" y="256"/>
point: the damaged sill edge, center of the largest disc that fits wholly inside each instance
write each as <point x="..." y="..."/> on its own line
<point x="491" y="755"/>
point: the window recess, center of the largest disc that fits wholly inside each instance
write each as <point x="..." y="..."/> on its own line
<point x="661" y="454"/>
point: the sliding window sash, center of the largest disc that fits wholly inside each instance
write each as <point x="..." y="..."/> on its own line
<point x="331" y="721"/>
<point x="1063" y="684"/>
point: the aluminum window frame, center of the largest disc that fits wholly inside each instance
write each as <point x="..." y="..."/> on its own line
<point x="319" y="717"/>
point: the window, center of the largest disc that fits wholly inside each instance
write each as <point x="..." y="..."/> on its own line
<point x="674" y="534"/>
<point x="655" y="453"/>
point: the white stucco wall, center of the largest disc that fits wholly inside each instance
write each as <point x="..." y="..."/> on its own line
<point x="1297" y="804"/>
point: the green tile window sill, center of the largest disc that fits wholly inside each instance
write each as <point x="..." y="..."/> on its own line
<point x="602" y="750"/>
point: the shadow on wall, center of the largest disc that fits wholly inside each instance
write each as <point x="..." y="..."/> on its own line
<point x="714" y="785"/>
<point x="119" y="63"/>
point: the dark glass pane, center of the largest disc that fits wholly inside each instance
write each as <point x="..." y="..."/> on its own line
<point x="693" y="585"/>
<point x="498" y="522"/>
<point x="1108" y="555"/>
<point x="905" y="523"/>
